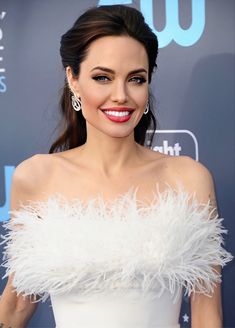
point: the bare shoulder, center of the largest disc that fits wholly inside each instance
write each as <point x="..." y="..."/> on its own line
<point x="32" y="169"/>
<point x="194" y="176"/>
<point x="31" y="175"/>
<point x="189" y="166"/>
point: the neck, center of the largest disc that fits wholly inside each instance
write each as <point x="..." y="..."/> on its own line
<point x="110" y="155"/>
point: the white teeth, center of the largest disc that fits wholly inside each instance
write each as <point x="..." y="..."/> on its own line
<point x="116" y="113"/>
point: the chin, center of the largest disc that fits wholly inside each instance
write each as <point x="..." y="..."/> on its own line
<point x="119" y="134"/>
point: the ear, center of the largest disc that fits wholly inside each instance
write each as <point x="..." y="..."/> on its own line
<point x="72" y="81"/>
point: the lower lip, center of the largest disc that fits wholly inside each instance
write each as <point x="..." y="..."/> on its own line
<point x="118" y="119"/>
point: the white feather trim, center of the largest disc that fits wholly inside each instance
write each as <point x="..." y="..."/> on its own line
<point x="68" y="246"/>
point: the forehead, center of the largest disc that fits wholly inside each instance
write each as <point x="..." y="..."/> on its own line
<point x="116" y="52"/>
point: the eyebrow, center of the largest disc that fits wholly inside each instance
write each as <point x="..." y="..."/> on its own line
<point x="109" y="70"/>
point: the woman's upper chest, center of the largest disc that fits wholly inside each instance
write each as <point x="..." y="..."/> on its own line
<point x="75" y="181"/>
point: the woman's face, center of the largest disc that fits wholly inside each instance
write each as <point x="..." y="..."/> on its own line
<point x="112" y="85"/>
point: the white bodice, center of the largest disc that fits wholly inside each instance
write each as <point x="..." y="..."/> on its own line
<point x="129" y="309"/>
<point x="121" y="264"/>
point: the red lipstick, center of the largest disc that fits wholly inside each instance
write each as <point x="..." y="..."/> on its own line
<point x="118" y="114"/>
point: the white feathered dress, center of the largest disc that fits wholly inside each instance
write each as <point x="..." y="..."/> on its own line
<point x="115" y="265"/>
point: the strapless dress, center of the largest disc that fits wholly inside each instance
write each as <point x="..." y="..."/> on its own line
<point x="119" y="264"/>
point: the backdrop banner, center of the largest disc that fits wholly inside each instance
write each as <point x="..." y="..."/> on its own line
<point x="193" y="87"/>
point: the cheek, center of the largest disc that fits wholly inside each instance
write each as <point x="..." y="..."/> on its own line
<point x="93" y="97"/>
<point x="139" y="95"/>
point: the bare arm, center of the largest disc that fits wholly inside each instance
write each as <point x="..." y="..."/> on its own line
<point x="206" y="311"/>
<point x="16" y="311"/>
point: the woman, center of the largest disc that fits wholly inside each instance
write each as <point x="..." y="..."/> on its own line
<point x="95" y="234"/>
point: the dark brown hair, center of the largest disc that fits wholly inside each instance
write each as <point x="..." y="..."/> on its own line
<point x="95" y="23"/>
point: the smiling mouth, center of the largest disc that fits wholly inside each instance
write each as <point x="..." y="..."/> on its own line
<point x="118" y="111"/>
<point x="118" y="114"/>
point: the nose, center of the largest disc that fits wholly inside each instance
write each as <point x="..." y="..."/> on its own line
<point x="119" y="92"/>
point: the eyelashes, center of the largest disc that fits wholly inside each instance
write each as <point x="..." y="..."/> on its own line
<point x="135" y="79"/>
<point x="101" y="78"/>
<point x="138" y="79"/>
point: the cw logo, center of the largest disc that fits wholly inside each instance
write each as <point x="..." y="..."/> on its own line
<point x="172" y="30"/>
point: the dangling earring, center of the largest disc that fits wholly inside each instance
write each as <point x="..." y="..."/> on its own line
<point x="146" y="109"/>
<point x="76" y="103"/>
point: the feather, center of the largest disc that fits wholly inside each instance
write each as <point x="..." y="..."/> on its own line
<point x="65" y="246"/>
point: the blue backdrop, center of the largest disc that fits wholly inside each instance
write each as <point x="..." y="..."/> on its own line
<point x="193" y="86"/>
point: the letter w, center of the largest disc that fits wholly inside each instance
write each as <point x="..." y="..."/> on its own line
<point x="173" y="31"/>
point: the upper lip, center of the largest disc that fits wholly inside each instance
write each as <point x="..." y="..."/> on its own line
<point x="119" y="109"/>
